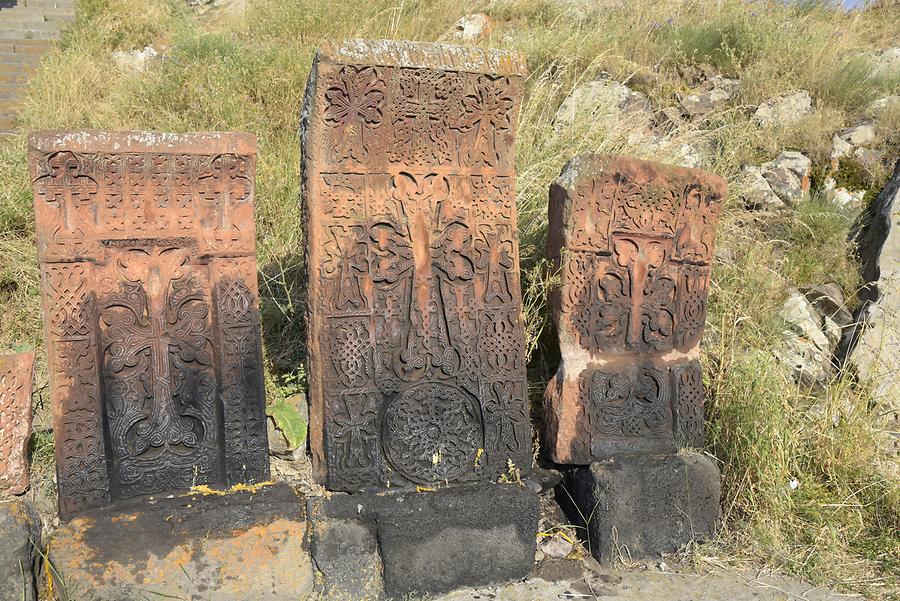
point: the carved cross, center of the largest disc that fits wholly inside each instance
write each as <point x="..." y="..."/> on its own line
<point x="227" y="184"/>
<point x="68" y="189"/>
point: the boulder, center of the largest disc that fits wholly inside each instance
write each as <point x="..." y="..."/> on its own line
<point x="788" y="176"/>
<point x="888" y="62"/>
<point x="755" y="191"/>
<point x="603" y="97"/>
<point x="471" y="28"/>
<point x="874" y="344"/>
<point x="204" y="545"/>
<point x="883" y="107"/>
<point x="806" y="348"/>
<point x="783" y="110"/>
<point x="843" y="197"/>
<point x="20" y="543"/>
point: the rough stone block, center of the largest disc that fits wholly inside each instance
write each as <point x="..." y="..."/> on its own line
<point x="16" y="381"/>
<point x="643" y="505"/>
<point x="424" y="543"/>
<point x="416" y="342"/>
<point x="634" y="241"/>
<point x="240" y="546"/>
<point x="20" y="540"/>
<point x="147" y="251"/>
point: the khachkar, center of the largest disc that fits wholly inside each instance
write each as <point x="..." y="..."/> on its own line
<point x="416" y="344"/>
<point x="634" y="241"/>
<point x="146" y="245"/>
<point x="16" y="377"/>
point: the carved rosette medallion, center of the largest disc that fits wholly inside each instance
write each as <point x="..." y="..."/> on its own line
<point x="415" y="334"/>
<point x="634" y="241"/>
<point x="147" y="251"/>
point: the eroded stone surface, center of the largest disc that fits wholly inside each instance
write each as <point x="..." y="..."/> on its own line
<point x="424" y="542"/>
<point x="634" y="241"/>
<point x="20" y="540"/>
<point x="16" y="377"/>
<point x="148" y="274"/>
<point x="643" y="505"/>
<point x="221" y="547"/>
<point x="417" y="373"/>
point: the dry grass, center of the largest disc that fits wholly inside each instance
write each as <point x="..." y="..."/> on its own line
<point x="220" y="72"/>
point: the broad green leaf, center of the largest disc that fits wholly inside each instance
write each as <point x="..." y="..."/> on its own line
<point x="288" y="420"/>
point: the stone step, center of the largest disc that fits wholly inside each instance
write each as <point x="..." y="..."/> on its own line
<point x="17" y="72"/>
<point x="12" y="90"/>
<point x="25" y="46"/>
<point x="29" y="34"/>
<point x="36" y="14"/>
<point x="50" y="3"/>
<point x="8" y="105"/>
<point x="36" y="25"/>
<point x="8" y="58"/>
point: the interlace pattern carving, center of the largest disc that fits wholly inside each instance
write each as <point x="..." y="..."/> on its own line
<point x="149" y="286"/>
<point x="413" y="266"/>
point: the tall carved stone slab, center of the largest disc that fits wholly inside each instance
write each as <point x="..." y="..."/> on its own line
<point x="16" y="378"/>
<point x="148" y="273"/>
<point x="416" y="344"/>
<point x="634" y="242"/>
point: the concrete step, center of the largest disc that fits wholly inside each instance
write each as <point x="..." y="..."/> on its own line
<point x="36" y="25"/>
<point x="52" y="15"/>
<point x="12" y="91"/>
<point x="48" y="3"/>
<point x="8" y="105"/>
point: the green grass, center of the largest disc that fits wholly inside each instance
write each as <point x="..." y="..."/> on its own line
<point x="223" y="73"/>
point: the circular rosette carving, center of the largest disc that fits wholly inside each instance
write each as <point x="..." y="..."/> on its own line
<point x="432" y="432"/>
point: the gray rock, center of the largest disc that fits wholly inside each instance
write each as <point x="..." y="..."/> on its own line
<point x="805" y="348"/>
<point x="755" y="191"/>
<point x="134" y="60"/>
<point x="788" y="176"/>
<point x="429" y="542"/>
<point x="603" y="97"/>
<point x="874" y="346"/>
<point x="700" y="105"/>
<point x="844" y="198"/>
<point x="883" y="107"/>
<point x="470" y="28"/>
<point x="20" y="540"/>
<point x="889" y="62"/>
<point x="846" y="141"/>
<point x="643" y="505"/>
<point x="829" y="301"/>
<point x="783" y="110"/>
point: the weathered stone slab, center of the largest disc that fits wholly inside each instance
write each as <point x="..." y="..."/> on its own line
<point x="643" y="505"/>
<point x="634" y="241"/>
<point x="16" y="381"/>
<point x="424" y="543"/>
<point x="222" y="547"/>
<point x="20" y="541"/>
<point x="416" y="344"/>
<point x="148" y="275"/>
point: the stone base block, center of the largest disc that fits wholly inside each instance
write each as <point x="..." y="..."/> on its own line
<point x="20" y="540"/>
<point x="642" y="505"/>
<point x="204" y="547"/>
<point x="391" y="545"/>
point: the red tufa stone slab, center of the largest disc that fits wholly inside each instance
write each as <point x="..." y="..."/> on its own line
<point x="634" y="242"/>
<point x="148" y="274"/>
<point x="16" y="380"/>
<point x="416" y="344"/>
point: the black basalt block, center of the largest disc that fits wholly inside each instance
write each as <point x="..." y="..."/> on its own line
<point x="640" y="506"/>
<point x="429" y="542"/>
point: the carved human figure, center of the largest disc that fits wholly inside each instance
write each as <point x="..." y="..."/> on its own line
<point x="634" y="242"/>
<point x="416" y="343"/>
<point x="150" y="301"/>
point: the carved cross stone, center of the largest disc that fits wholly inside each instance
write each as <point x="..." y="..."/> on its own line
<point x="415" y="336"/>
<point x="634" y="242"/>
<point x="16" y="372"/>
<point x="151" y="311"/>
